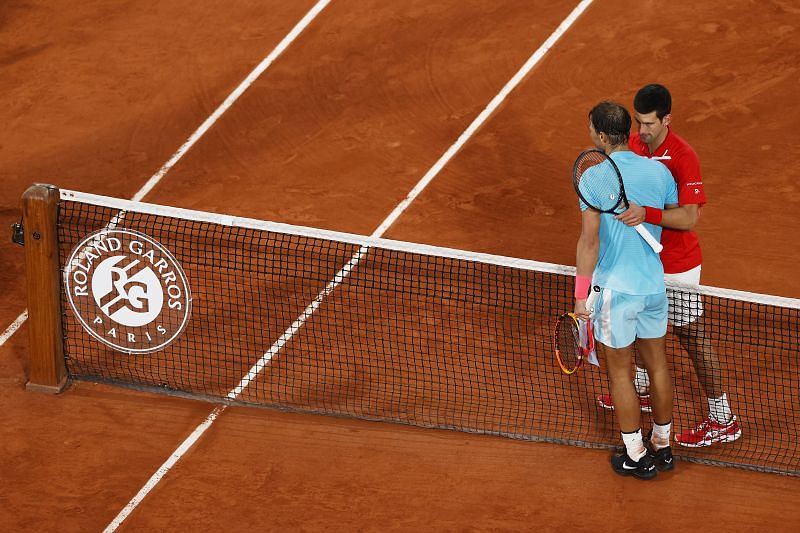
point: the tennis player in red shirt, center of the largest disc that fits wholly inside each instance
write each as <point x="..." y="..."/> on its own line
<point x="682" y="262"/>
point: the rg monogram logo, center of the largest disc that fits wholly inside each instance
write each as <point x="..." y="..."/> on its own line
<point x="127" y="291"/>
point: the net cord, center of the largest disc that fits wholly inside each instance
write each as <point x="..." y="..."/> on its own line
<point x="389" y="244"/>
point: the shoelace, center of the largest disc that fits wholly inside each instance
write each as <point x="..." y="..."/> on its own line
<point x="703" y="426"/>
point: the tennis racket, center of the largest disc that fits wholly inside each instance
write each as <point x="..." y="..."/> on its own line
<point x="567" y="343"/>
<point x="599" y="184"/>
<point x="573" y="338"/>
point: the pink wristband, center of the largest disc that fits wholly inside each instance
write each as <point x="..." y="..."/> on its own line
<point x="582" y="284"/>
<point x="653" y="215"/>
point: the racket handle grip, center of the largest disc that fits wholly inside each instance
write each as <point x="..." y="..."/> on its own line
<point x="648" y="237"/>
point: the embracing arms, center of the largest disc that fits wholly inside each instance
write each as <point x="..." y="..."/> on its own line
<point x="682" y="217"/>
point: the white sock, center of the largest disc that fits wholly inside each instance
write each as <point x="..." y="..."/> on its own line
<point x="660" y="437"/>
<point x="719" y="409"/>
<point x="641" y="381"/>
<point x="634" y="444"/>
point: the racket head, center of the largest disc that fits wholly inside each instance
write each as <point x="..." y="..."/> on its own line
<point x="598" y="181"/>
<point x="567" y="343"/>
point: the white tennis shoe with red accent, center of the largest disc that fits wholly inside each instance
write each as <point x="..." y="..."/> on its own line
<point x="606" y="402"/>
<point x="708" y="432"/>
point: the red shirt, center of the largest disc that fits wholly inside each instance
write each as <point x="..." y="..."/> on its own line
<point x="681" y="248"/>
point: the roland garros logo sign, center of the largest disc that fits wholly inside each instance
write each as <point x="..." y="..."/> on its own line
<point x="128" y="291"/>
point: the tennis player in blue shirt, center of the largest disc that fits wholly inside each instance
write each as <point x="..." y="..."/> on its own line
<point x="632" y="302"/>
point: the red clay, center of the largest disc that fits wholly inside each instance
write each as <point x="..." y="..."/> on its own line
<point x="334" y="135"/>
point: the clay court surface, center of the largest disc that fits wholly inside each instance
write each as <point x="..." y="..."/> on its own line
<point x="336" y="132"/>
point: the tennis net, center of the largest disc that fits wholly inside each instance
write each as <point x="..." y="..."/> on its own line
<point x="259" y="313"/>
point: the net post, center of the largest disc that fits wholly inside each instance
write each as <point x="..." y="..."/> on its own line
<point x="47" y="372"/>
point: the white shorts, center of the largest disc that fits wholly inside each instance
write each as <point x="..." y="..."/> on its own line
<point x="684" y="307"/>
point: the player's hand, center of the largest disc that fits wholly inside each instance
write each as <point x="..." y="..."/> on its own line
<point x="632" y="216"/>
<point x="580" y="309"/>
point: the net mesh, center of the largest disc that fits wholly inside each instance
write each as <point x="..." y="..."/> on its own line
<point x="309" y="323"/>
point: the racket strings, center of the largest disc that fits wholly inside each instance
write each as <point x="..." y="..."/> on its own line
<point x="568" y="343"/>
<point x="597" y="181"/>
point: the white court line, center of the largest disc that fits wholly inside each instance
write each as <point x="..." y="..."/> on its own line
<point x="206" y="125"/>
<point x="297" y="324"/>
<point x="283" y="45"/>
<point x="484" y="115"/>
<point x="13" y="327"/>
<point x="345" y="271"/>
<point x="162" y="471"/>
<point x="418" y="188"/>
<point x="191" y="439"/>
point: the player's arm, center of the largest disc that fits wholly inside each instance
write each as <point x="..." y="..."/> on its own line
<point x="586" y="255"/>
<point x="673" y="216"/>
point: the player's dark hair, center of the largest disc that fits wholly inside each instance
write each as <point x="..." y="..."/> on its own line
<point x="613" y="120"/>
<point x="653" y="97"/>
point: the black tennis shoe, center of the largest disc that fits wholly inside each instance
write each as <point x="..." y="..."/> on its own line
<point x="664" y="460"/>
<point x="663" y="457"/>
<point x="644" y="468"/>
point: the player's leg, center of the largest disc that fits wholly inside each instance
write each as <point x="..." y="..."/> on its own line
<point x="704" y="360"/>
<point x="651" y="330"/>
<point x="618" y="369"/>
<point x="720" y="425"/>
<point x="641" y="383"/>
<point x="641" y="380"/>
<point x="686" y="311"/>
<point x="615" y="332"/>
<point x="636" y="460"/>
<point x="653" y="354"/>
<point x="661" y="393"/>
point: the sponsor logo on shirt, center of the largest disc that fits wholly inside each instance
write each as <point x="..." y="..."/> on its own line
<point x="663" y="157"/>
<point x="693" y="184"/>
